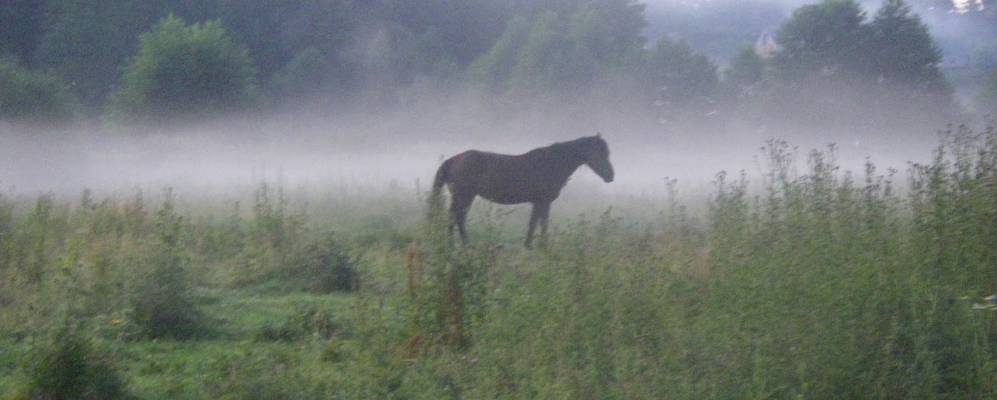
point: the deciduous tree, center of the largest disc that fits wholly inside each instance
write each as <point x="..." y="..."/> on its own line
<point x="826" y="38"/>
<point x="901" y="50"/>
<point x="185" y="71"/>
<point x="33" y="96"/>
<point x="678" y="74"/>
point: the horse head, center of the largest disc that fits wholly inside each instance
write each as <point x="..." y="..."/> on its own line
<point x="597" y="157"/>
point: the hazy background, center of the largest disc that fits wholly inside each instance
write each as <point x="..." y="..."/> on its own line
<point x="370" y="94"/>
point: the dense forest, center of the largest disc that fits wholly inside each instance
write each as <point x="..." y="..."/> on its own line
<point x="169" y="60"/>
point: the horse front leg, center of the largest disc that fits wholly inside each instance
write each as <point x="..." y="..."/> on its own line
<point x="539" y="214"/>
<point x="534" y="217"/>
<point x="462" y="227"/>
<point x="544" y="220"/>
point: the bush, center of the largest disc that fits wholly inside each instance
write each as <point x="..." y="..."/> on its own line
<point x="33" y="96"/>
<point x="327" y="266"/>
<point x="163" y="305"/>
<point x="269" y="244"/>
<point x="185" y="71"/>
<point x="67" y="367"/>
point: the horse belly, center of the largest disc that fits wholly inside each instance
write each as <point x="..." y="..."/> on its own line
<point x="503" y="179"/>
<point x="510" y="196"/>
<point x="505" y="188"/>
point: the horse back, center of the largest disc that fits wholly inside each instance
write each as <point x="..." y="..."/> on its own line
<point x="501" y="178"/>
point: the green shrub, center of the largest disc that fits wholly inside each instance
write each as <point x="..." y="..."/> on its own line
<point x="267" y="249"/>
<point x="162" y="304"/>
<point x="326" y="266"/>
<point x="186" y="72"/>
<point x="67" y="367"/>
<point x="33" y="96"/>
<point x="447" y="285"/>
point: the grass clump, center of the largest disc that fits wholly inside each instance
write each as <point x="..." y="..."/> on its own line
<point x="67" y="367"/>
<point x="306" y="320"/>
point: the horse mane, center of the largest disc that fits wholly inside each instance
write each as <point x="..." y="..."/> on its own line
<point x="570" y="147"/>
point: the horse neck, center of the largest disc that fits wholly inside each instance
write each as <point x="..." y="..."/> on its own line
<point x="568" y="157"/>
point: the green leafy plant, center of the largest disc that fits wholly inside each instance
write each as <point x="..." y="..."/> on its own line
<point x="162" y="303"/>
<point x="185" y="72"/>
<point x="67" y="367"/>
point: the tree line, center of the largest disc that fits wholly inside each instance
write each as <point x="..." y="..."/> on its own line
<point x="167" y="59"/>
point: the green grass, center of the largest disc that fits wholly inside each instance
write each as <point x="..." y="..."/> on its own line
<point x="237" y="362"/>
<point x="232" y="357"/>
<point x="10" y="353"/>
<point x="807" y="282"/>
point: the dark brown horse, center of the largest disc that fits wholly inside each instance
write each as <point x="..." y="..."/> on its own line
<point x="535" y="177"/>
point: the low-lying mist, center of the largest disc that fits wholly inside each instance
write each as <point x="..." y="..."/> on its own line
<point x="367" y="147"/>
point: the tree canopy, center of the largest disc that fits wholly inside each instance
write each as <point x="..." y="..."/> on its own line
<point x="186" y="71"/>
<point x="678" y="74"/>
<point x="746" y="69"/>
<point x="20" y="27"/>
<point x="822" y="39"/>
<point x="86" y="42"/>
<point x="563" y="48"/>
<point x="33" y="96"/>
<point x="901" y="49"/>
<point x="834" y="38"/>
<point x="522" y="48"/>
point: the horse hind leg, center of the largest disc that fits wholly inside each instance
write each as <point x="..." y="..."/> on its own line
<point x="535" y="216"/>
<point x="458" y="215"/>
<point x="540" y="214"/>
<point x="544" y="220"/>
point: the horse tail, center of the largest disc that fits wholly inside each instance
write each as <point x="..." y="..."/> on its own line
<point x="436" y="198"/>
<point x="442" y="177"/>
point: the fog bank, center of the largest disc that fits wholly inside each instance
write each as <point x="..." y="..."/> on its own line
<point x="402" y="146"/>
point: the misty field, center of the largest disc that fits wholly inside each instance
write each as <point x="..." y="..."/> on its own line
<point x="188" y="270"/>
<point x="808" y="281"/>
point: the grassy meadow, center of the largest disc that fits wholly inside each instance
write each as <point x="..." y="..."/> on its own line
<point x="804" y="281"/>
